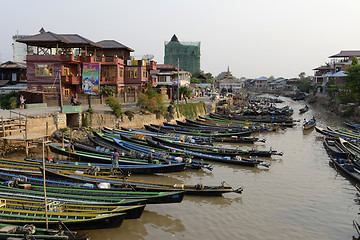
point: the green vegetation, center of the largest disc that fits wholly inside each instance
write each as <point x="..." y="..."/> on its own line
<point x="190" y="110"/>
<point x="85" y="120"/>
<point x="8" y="101"/>
<point x="129" y="114"/>
<point x="352" y="81"/>
<point x="185" y="92"/>
<point x="305" y="83"/>
<point x="151" y="101"/>
<point x="107" y="90"/>
<point x="115" y="105"/>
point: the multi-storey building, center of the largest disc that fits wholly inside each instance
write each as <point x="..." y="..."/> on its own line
<point x="336" y="68"/>
<point x="184" y="54"/>
<point x="168" y="77"/>
<point x="58" y="60"/>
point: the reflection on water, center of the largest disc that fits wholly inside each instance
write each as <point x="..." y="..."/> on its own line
<point x="299" y="197"/>
<point x="138" y="229"/>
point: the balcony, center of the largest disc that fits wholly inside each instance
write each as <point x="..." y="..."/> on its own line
<point x="108" y="80"/>
<point x="69" y="58"/>
<point x="70" y="80"/>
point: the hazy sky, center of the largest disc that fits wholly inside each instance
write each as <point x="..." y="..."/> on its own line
<point x="253" y="37"/>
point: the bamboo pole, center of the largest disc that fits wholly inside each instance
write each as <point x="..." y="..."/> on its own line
<point x="46" y="213"/>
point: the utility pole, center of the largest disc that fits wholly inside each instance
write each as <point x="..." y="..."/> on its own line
<point x="178" y="84"/>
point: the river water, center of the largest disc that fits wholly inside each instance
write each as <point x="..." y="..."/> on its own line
<point x="299" y="197"/>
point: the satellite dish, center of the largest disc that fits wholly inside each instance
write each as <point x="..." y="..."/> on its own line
<point x="147" y="57"/>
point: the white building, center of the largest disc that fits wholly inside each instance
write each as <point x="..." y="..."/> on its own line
<point x="20" y="50"/>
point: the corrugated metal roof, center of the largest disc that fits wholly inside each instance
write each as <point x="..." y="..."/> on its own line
<point x="10" y="64"/>
<point x="113" y="44"/>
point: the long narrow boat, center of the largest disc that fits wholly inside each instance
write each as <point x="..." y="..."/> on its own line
<point x="336" y="134"/>
<point x="254" y="126"/>
<point x="154" y="128"/>
<point x="224" y="159"/>
<point x="221" y="151"/>
<point x="202" y="129"/>
<point x="334" y="148"/>
<point x="146" y="134"/>
<point x="132" y="212"/>
<point x="283" y="121"/>
<point x="309" y="124"/>
<point x="32" y="166"/>
<point x="109" y="194"/>
<point x="159" y="154"/>
<point x="143" y="165"/>
<point x="72" y="220"/>
<point x="347" y="167"/>
<point x="25" y="232"/>
<point x="197" y="189"/>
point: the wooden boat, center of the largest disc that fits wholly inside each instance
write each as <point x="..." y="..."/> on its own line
<point x="162" y="155"/>
<point x="28" y="231"/>
<point x="280" y="120"/>
<point x="225" y="159"/>
<point x="334" y="148"/>
<point x="304" y="109"/>
<point x="82" y="192"/>
<point x="32" y="166"/>
<point x="72" y="220"/>
<point x="203" y="129"/>
<point x="352" y="125"/>
<point x="174" y="136"/>
<point x="255" y="126"/>
<point x="332" y="133"/>
<point x="210" y="135"/>
<point x="200" y="140"/>
<point x="357" y="228"/>
<point x="132" y="212"/>
<point x="143" y="165"/>
<point x="197" y="189"/>
<point x="347" y="167"/>
<point x="16" y="193"/>
<point x="222" y="151"/>
<point x="309" y="124"/>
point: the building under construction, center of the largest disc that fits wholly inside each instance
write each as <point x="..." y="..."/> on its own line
<point x="187" y="53"/>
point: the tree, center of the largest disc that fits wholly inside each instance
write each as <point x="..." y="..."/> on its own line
<point x="195" y="80"/>
<point x="352" y="81"/>
<point x="151" y="101"/>
<point x="107" y="90"/>
<point x="185" y="92"/>
<point x="305" y="82"/>
<point x="115" y="105"/>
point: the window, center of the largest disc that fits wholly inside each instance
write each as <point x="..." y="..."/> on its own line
<point x="121" y="70"/>
<point x="131" y="74"/>
<point x="144" y="74"/>
<point x="67" y="92"/>
<point x="161" y="78"/>
<point x="128" y="73"/>
<point x="135" y="73"/>
<point x="44" y="70"/>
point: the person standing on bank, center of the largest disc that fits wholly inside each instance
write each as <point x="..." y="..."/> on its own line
<point x="22" y="102"/>
<point x="115" y="160"/>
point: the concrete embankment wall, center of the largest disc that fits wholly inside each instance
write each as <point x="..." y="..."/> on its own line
<point x="54" y="122"/>
<point x="99" y="120"/>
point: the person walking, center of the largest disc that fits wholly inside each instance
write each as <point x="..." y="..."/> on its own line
<point x="22" y="102"/>
<point x="115" y="160"/>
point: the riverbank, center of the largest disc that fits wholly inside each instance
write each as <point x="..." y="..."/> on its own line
<point x="350" y="110"/>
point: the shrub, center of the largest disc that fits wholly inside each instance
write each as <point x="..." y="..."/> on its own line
<point x="115" y="105"/>
<point x="130" y="114"/>
<point x="8" y="101"/>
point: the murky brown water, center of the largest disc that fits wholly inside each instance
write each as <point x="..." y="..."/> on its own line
<point x="299" y="197"/>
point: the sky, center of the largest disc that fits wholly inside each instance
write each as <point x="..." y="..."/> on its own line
<point x="254" y="38"/>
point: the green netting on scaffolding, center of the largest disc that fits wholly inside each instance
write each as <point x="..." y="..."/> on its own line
<point x="188" y="54"/>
